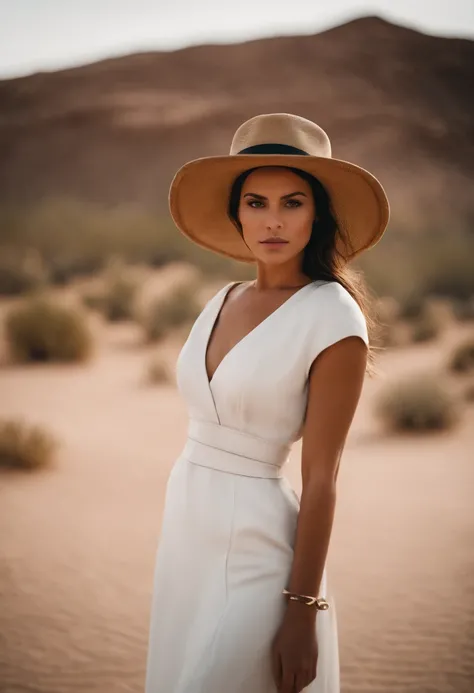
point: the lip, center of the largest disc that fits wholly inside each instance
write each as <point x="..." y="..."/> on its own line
<point x="277" y="241"/>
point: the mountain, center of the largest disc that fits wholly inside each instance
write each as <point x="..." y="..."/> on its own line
<point x="393" y="100"/>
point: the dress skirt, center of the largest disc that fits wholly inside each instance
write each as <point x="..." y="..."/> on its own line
<point x="224" y="556"/>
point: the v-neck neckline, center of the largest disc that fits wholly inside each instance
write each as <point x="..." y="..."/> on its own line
<point x="215" y="317"/>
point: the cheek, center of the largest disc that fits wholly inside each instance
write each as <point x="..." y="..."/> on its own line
<point x="301" y="223"/>
<point x="249" y="220"/>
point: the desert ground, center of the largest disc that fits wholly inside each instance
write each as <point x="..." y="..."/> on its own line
<point x="78" y="541"/>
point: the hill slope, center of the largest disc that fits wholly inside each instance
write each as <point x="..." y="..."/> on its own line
<point x="391" y="99"/>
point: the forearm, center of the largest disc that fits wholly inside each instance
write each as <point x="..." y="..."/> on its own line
<point x="313" y="532"/>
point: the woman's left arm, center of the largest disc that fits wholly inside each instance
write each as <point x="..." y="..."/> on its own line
<point x="334" y="387"/>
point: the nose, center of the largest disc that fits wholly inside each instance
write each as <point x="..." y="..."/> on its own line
<point x="273" y="222"/>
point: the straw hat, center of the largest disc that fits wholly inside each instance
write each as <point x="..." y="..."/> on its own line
<point x="200" y="190"/>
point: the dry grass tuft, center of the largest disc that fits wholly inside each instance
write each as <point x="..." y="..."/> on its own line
<point x="25" y="447"/>
<point x="40" y="329"/>
<point x="418" y="403"/>
<point x="116" y="300"/>
<point x="180" y="307"/>
<point x="158" y="372"/>
<point x="462" y="357"/>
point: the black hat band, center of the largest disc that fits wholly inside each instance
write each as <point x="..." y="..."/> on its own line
<point x="273" y="149"/>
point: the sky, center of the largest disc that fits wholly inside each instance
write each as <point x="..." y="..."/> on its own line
<point x="42" y="35"/>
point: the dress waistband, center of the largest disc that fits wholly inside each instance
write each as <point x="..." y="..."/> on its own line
<point x="236" y="452"/>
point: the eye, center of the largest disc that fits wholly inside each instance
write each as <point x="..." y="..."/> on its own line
<point x="290" y="203"/>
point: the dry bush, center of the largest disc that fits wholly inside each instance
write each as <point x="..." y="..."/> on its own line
<point x="21" y="271"/>
<point x="178" y="308"/>
<point x="462" y="357"/>
<point x="121" y="287"/>
<point x="25" y="447"/>
<point x="412" y="308"/>
<point x="464" y="308"/>
<point x="158" y="371"/>
<point x="116" y="300"/>
<point x="39" y="329"/>
<point x="93" y="299"/>
<point x="418" y="403"/>
<point x="426" y="328"/>
<point x="426" y="318"/>
<point x="119" y="299"/>
<point x="414" y="320"/>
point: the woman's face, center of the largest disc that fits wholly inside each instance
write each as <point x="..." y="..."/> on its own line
<point x="275" y="202"/>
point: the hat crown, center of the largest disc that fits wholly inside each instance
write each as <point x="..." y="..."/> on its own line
<point x="282" y="129"/>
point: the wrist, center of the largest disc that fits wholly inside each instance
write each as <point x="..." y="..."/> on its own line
<point x="297" y="611"/>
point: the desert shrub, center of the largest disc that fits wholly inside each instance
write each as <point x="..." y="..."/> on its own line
<point x="25" y="447"/>
<point x="118" y="301"/>
<point x="21" y="271"/>
<point x="158" y="371"/>
<point x="464" y="308"/>
<point x="174" y="310"/>
<point x="40" y="329"/>
<point x="426" y="327"/>
<point x="462" y="358"/>
<point x="418" y="403"/>
<point x="93" y="299"/>
<point x="425" y="317"/>
<point x="117" y="297"/>
<point x="412" y="308"/>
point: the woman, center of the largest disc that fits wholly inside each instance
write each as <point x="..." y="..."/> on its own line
<point x="241" y="602"/>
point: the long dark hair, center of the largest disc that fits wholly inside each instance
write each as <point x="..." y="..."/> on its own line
<point x="321" y="259"/>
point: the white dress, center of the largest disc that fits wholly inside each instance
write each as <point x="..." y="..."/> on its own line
<point x="229" y="521"/>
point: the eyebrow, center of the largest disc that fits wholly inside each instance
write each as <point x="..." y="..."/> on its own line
<point x="283" y="197"/>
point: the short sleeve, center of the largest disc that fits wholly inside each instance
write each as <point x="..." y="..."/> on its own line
<point x="335" y="315"/>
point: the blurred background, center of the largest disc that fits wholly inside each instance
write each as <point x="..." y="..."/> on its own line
<point x="100" y="103"/>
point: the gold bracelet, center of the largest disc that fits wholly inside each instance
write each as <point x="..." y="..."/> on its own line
<point x="320" y="603"/>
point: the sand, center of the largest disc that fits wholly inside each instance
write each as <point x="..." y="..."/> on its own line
<point x="78" y="541"/>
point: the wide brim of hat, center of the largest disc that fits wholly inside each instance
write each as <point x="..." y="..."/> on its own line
<point x="199" y="197"/>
